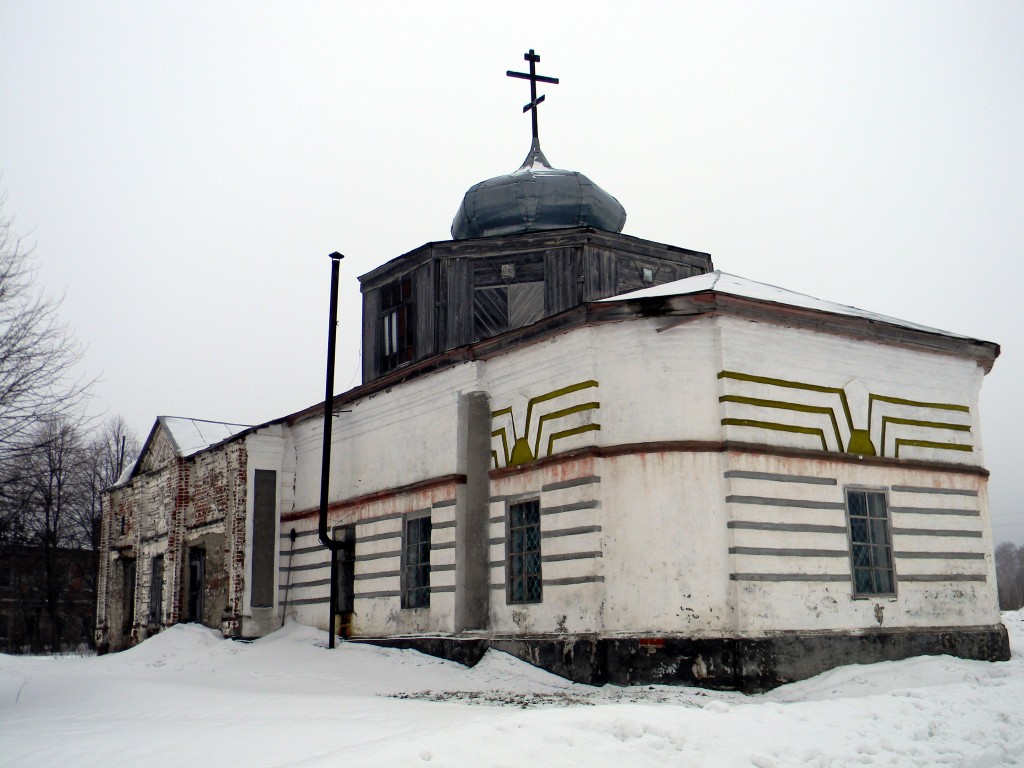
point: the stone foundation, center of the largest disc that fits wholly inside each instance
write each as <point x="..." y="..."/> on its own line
<point x="745" y="664"/>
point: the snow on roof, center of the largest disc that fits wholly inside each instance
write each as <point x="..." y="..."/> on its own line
<point x="193" y="435"/>
<point x="126" y="473"/>
<point x="734" y="285"/>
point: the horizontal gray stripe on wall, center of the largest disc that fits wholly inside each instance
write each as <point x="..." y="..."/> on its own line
<point x="943" y="577"/>
<point x="309" y="567"/>
<point x="517" y="498"/>
<point x="798" y="503"/>
<point x="298" y="534"/>
<point x="936" y="511"/>
<point x="938" y="491"/>
<point x="497" y="586"/>
<point x="377" y="575"/>
<point x="497" y="519"/>
<point x="379" y="536"/>
<point x="941" y="555"/>
<point x="497" y="564"/>
<point x="570" y="531"/>
<point x="788" y="552"/>
<point x="499" y="540"/>
<point x="382" y="518"/>
<point x="789" y="577"/>
<point x="442" y="589"/>
<point x="440" y="526"/>
<point x="422" y="512"/>
<point x="809" y="480"/>
<point x="442" y="545"/>
<point x="303" y="550"/>
<point x="593" y="504"/>
<point x="378" y="555"/>
<point x="448" y="567"/>
<point x="445" y="503"/>
<point x="383" y="593"/>
<point x="570" y="556"/>
<point x="750" y="525"/>
<point x="308" y="584"/>
<point x="934" y="532"/>
<point x="570" y="483"/>
<point x="572" y="580"/>
<point x="309" y="601"/>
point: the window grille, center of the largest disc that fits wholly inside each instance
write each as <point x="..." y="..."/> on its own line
<point x="870" y="543"/>
<point x="397" y="324"/>
<point x="416" y="567"/>
<point x="524" y="572"/>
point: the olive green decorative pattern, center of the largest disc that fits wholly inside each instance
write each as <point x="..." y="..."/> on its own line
<point x="521" y="452"/>
<point x="836" y="419"/>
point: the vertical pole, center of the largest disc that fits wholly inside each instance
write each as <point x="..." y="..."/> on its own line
<point x="533" y="59"/>
<point x="325" y="467"/>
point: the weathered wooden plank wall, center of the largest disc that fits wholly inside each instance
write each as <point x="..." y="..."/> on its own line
<point x="467" y="291"/>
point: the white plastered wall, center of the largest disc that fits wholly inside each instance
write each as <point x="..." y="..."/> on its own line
<point x="941" y="538"/>
<point x="264" y="450"/>
<point x="401" y="436"/>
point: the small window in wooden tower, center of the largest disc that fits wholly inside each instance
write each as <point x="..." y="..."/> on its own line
<point x="647" y="275"/>
<point x="397" y="324"/>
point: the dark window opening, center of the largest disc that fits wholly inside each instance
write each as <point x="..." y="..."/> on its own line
<point x="264" y="538"/>
<point x="156" y="589"/>
<point x="523" y="567"/>
<point x="416" y="563"/>
<point x="196" y="585"/>
<point x="870" y="543"/>
<point x="397" y="324"/>
<point x="128" y="593"/>
<point x="346" y="570"/>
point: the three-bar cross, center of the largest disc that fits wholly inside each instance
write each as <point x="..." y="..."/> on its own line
<point x="534" y="78"/>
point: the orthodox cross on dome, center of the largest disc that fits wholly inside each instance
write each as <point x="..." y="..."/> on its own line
<point x="534" y="78"/>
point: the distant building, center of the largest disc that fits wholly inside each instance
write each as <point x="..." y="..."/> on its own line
<point x="595" y="452"/>
<point x="26" y="622"/>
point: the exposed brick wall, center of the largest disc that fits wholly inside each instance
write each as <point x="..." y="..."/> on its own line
<point x="232" y="623"/>
<point x="195" y="502"/>
<point x="216" y="511"/>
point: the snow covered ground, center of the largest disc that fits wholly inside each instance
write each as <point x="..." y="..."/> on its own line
<point x="189" y="698"/>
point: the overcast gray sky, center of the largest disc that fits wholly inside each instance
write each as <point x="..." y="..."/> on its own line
<point x="185" y="168"/>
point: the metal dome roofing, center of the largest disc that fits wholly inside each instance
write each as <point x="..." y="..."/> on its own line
<point x="535" y="197"/>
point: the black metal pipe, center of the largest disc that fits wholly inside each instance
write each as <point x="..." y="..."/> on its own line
<point x="325" y="468"/>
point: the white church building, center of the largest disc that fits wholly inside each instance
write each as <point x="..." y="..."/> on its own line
<point x="595" y="452"/>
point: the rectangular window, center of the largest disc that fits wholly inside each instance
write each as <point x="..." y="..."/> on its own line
<point x="397" y="324"/>
<point x="346" y="569"/>
<point x="156" y="589"/>
<point x="416" y="563"/>
<point x="264" y="537"/>
<point x="523" y="547"/>
<point x="870" y="543"/>
<point x="196" y="583"/>
<point x="128" y="593"/>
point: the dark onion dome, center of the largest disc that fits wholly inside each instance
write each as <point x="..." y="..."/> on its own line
<point x="536" y="197"/>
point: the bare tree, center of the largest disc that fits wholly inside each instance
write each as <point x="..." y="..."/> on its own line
<point x="111" y="450"/>
<point x="37" y="350"/>
<point x="53" y="491"/>
<point x="49" y="492"/>
<point x="37" y="381"/>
